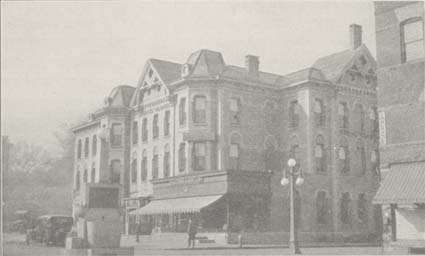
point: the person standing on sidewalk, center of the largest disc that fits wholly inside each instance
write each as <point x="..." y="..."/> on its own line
<point x="192" y="228"/>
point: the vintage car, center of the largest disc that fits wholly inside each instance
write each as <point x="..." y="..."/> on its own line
<point x="52" y="229"/>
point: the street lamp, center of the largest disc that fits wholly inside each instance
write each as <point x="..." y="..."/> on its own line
<point x="295" y="174"/>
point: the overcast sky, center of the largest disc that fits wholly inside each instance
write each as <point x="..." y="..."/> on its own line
<point x="60" y="59"/>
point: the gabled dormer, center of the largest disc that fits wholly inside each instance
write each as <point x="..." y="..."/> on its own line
<point x="155" y="81"/>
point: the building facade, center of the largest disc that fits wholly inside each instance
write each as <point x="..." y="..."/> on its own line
<point x="400" y="58"/>
<point x="212" y="139"/>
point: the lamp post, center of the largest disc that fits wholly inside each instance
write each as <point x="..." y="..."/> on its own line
<point x="295" y="178"/>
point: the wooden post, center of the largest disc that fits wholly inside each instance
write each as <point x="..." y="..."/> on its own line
<point x="393" y="223"/>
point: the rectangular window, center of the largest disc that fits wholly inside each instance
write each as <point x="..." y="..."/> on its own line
<point x="182" y="111"/>
<point x="155" y="167"/>
<point x="199" y="109"/>
<point x="234" y="156"/>
<point x="235" y="111"/>
<point x="167" y="164"/>
<point x="135" y="132"/>
<point x="144" y="173"/>
<point x="155" y="127"/>
<point x="116" y="135"/>
<point x="319" y="115"/>
<point x="167" y="123"/>
<point x="412" y="40"/>
<point x="344" y="161"/>
<point x="199" y="156"/>
<point x="115" y="171"/>
<point x="182" y="157"/>
<point x="145" y="130"/>
<point x="343" y="115"/>
<point x="293" y="114"/>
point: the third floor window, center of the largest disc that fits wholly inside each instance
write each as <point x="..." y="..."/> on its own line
<point x="412" y="39"/>
<point x="155" y="127"/>
<point x="167" y="123"/>
<point x="293" y="114"/>
<point x="235" y="109"/>
<point x="199" y="109"/>
<point x="145" y="130"/>
<point x="116" y="135"/>
<point x="182" y="111"/>
<point x="343" y="115"/>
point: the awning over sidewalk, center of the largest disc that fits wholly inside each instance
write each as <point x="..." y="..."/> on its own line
<point x="404" y="184"/>
<point x="177" y="205"/>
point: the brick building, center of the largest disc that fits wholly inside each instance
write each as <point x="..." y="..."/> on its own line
<point x="401" y="98"/>
<point x="212" y="139"/>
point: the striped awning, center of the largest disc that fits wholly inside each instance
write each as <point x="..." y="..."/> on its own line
<point x="404" y="184"/>
<point x="176" y="205"/>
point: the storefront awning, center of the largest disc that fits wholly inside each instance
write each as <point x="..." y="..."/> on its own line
<point x="176" y="205"/>
<point x="404" y="184"/>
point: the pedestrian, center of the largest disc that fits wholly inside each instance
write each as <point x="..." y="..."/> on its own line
<point x="192" y="228"/>
<point x="138" y="231"/>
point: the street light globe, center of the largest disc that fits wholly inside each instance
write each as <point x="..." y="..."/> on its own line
<point x="299" y="181"/>
<point x="292" y="162"/>
<point x="284" y="181"/>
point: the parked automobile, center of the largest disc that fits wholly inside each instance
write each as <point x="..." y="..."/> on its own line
<point x="51" y="229"/>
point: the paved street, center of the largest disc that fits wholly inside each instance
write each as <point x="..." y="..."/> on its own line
<point x="15" y="246"/>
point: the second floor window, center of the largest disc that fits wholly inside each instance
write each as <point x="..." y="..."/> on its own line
<point x="374" y="160"/>
<point x="115" y="171"/>
<point x="412" y="37"/>
<point x="155" y="163"/>
<point x="144" y="166"/>
<point x="235" y="115"/>
<point x="167" y="123"/>
<point x="343" y="115"/>
<point x="361" y="157"/>
<point x="199" y="109"/>
<point x="166" y="163"/>
<point x="322" y="208"/>
<point x="155" y="127"/>
<point x="182" y="111"/>
<point x="145" y="130"/>
<point x="93" y="173"/>
<point x="94" y="145"/>
<point x="373" y="118"/>
<point x="362" y="209"/>
<point x="182" y="157"/>
<point x="234" y="155"/>
<point x="319" y="114"/>
<point x="199" y="156"/>
<point x="344" y="156"/>
<point x="116" y="135"/>
<point x="79" y="147"/>
<point x="134" y="170"/>
<point x="135" y="132"/>
<point x="345" y="206"/>
<point x="319" y="154"/>
<point x="359" y="118"/>
<point x="86" y="147"/>
<point x="294" y="117"/>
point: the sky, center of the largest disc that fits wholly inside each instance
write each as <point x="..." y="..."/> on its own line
<point x="60" y="59"/>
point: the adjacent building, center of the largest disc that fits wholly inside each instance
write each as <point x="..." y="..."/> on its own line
<point x="401" y="98"/>
<point x="208" y="139"/>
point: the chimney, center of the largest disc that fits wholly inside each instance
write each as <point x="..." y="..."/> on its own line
<point x="252" y="64"/>
<point x="355" y="36"/>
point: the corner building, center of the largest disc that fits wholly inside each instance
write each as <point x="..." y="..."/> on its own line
<point x="210" y="140"/>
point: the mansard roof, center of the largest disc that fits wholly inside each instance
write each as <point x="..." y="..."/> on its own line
<point x="121" y="95"/>
<point x="168" y="71"/>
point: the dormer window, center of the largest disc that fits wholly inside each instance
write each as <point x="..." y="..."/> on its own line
<point x="150" y="73"/>
<point x="412" y="39"/>
<point x="363" y="60"/>
<point x="185" y="70"/>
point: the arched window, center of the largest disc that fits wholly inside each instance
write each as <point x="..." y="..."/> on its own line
<point x="199" y="109"/>
<point x="115" y="171"/>
<point x="77" y="180"/>
<point x="166" y="163"/>
<point x="374" y="123"/>
<point x="319" y="154"/>
<point x="344" y="156"/>
<point x="182" y="112"/>
<point x="234" y="152"/>
<point x="343" y="115"/>
<point x="272" y="161"/>
<point x="86" y="147"/>
<point x="85" y="176"/>
<point x="94" y="145"/>
<point x="182" y="157"/>
<point x="155" y="126"/>
<point x="294" y="150"/>
<point x="361" y="156"/>
<point x="134" y="170"/>
<point x="359" y="118"/>
<point x="374" y="160"/>
<point x="412" y="39"/>
<point x="79" y="146"/>
<point x="145" y="129"/>
<point x="135" y="136"/>
<point x="93" y="173"/>
<point x="345" y="208"/>
<point x="155" y="163"/>
<point x="167" y="123"/>
<point x="322" y="208"/>
<point x="319" y="113"/>
<point x="116" y="134"/>
<point x="294" y="117"/>
<point x="235" y="111"/>
<point x="144" y="168"/>
<point x="362" y="209"/>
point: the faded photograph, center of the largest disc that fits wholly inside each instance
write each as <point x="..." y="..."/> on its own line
<point x="212" y="128"/>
